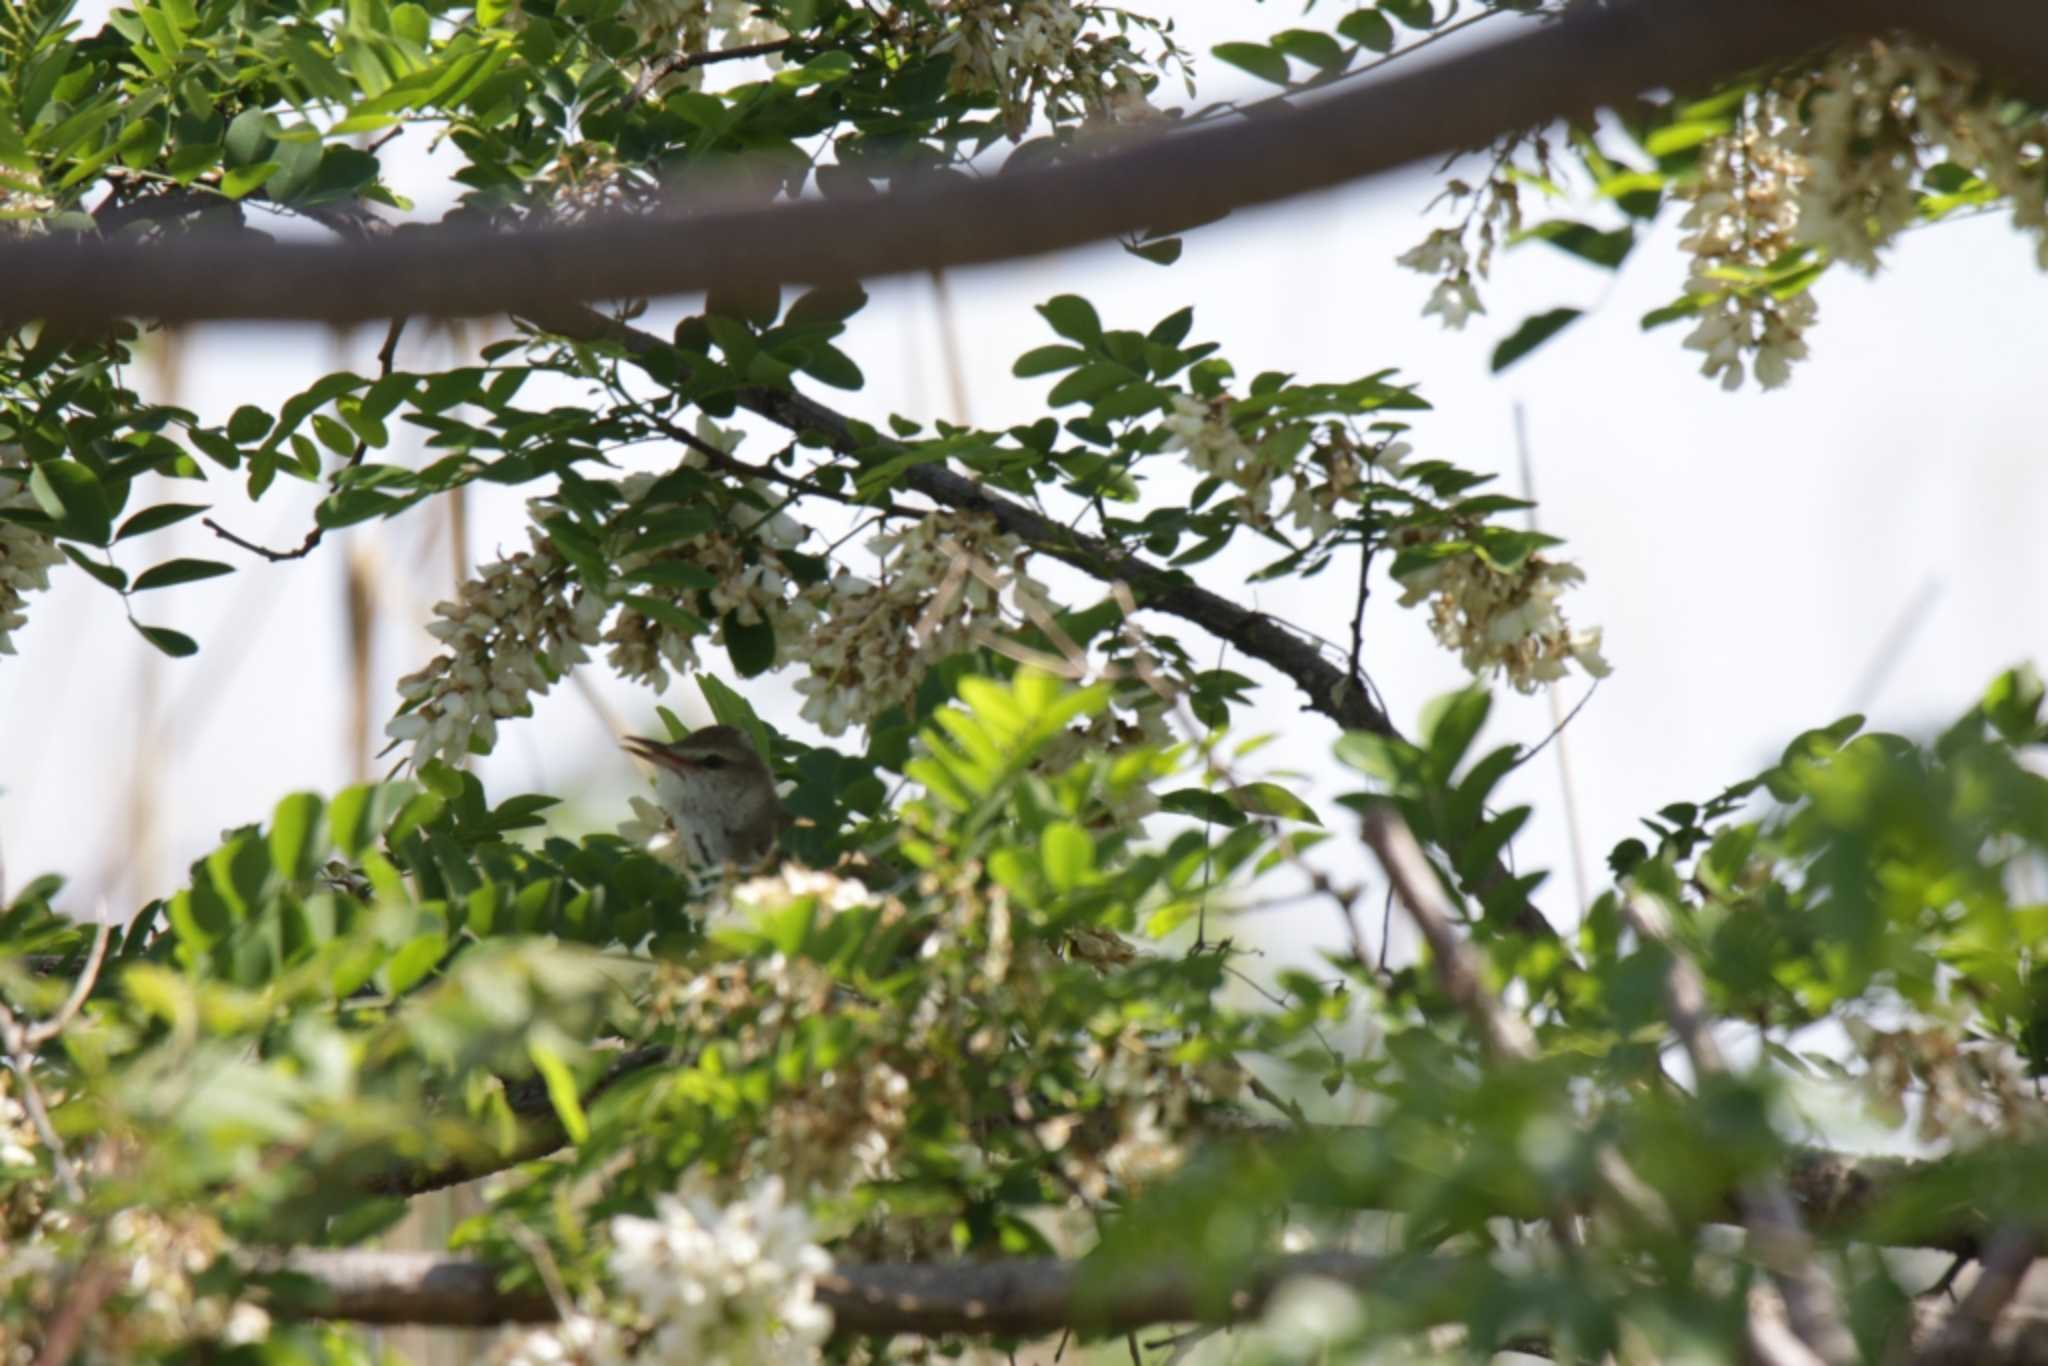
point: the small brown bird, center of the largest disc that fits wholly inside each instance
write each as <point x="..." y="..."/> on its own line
<point x="718" y="791"/>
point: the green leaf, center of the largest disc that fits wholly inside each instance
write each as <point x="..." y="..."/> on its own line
<point x="1163" y="252"/>
<point x="1271" y="799"/>
<point x="1416" y="14"/>
<point x="172" y="572"/>
<point x="835" y="65"/>
<point x="246" y="180"/>
<point x="561" y="1086"/>
<point x="827" y="363"/>
<point x="752" y="647"/>
<point x="1604" y="249"/>
<point x="352" y="819"/>
<point x="74" y="499"/>
<point x="731" y="709"/>
<point x="1686" y="307"/>
<point x="249" y="137"/>
<point x="1073" y="317"/>
<point x="1368" y="28"/>
<point x="157" y="518"/>
<point x="1203" y="806"/>
<point x="176" y="644"/>
<point x="2013" y="705"/>
<point x="1257" y="58"/>
<point x="1449" y="724"/>
<point x="1048" y="360"/>
<point x="1533" y="332"/>
<point x="1067" y="853"/>
<point x="1316" y="48"/>
<point x="108" y="574"/>
<point x="295" y="843"/>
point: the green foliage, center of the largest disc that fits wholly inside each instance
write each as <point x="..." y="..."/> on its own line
<point x="997" y="997"/>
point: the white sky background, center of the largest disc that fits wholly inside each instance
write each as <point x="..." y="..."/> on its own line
<point x="1747" y="555"/>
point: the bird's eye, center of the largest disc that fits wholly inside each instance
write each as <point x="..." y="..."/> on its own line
<point x="712" y="761"/>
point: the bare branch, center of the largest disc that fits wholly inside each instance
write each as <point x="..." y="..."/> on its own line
<point x="1021" y="1298"/>
<point x="1456" y="961"/>
<point x="82" y="988"/>
<point x="1598" y="55"/>
<point x="1964" y="1337"/>
<point x="1024" y="1297"/>
<point x="1775" y="1229"/>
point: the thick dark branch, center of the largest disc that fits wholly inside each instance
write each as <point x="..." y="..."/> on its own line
<point x="1025" y="1298"/>
<point x="1599" y="55"/>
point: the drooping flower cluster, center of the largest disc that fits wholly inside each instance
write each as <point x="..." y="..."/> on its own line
<point x="26" y="555"/>
<point x="727" y="1285"/>
<point x="1047" y="56"/>
<point x="1504" y="619"/>
<point x="1327" y="480"/>
<point x="1492" y="213"/>
<point x="942" y="584"/>
<point x="512" y="631"/>
<point x="1443" y="254"/>
<point x="1831" y="157"/>
<point x="748" y="578"/>
<point x="1744" y="216"/>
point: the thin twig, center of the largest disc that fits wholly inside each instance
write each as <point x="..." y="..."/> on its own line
<point x="21" y="1059"/>
<point x="49" y="1029"/>
<point x="682" y="62"/>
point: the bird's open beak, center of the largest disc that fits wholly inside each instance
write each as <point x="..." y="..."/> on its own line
<point x="653" y="751"/>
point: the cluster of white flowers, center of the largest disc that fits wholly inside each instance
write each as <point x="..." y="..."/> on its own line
<point x="1507" y="620"/>
<point x="722" y="1284"/>
<point x="1744" y="215"/>
<point x="749" y="578"/>
<point x="1044" y="55"/>
<point x="1444" y="255"/>
<point x="942" y="584"/>
<point x="728" y="1285"/>
<point x="1954" y="1086"/>
<point x="26" y="555"/>
<point x="513" y="630"/>
<point x="1829" y="156"/>
<point x="154" y="1304"/>
<point x="18" y="1140"/>
<point x="1328" y="480"/>
<point x="1492" y="214"/>
<point x="1307" y="1318"/>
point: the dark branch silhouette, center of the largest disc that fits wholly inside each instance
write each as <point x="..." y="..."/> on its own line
<point x="1597" y="56"/>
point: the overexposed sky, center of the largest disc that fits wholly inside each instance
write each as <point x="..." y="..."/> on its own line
<point x="1748" y="555"/>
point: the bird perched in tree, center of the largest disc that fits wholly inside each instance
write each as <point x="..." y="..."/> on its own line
<point x="718" y="791"/>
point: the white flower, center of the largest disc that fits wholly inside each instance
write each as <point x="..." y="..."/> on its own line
<point x="1454" y="300"/>
<point x="1505" y="620"/>
<point x="512" y="630"/>
<point x="942" y="585"/>
<point x="578" y="1340"/>
<point x="732" y="1285"/>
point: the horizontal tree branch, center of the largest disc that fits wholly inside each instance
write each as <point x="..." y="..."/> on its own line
<point x="1023" y="1298"/>
<point x="1598" y="55"/>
